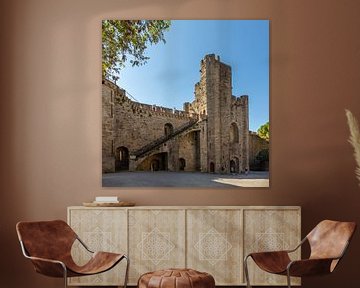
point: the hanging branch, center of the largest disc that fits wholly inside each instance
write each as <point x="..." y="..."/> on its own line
<point x="354" y="140"/>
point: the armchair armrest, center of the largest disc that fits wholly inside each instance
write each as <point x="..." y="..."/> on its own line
<point x="309" y="267"/>
<point x="298" y="246"/>
<point x="83" y="244"/>
<point x="279" y="252"/>
<point x="271" y="261"/>
<point x="314" y="266"/>
<point x="49" y="267"/>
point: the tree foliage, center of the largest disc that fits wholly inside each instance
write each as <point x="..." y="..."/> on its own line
<point x="127" y="40"/>
<point x="264" y="131"/>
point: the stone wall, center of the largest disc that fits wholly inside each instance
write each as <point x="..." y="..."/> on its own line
<point x="108" y="161"/>
<point x="137" y="125"/>
<point x="188" y="150"/>
<point x="256" y="145"/>
<point x="132" y="124"/>
<point x="219" y="143"/>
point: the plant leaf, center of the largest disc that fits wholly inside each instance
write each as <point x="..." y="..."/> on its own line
<point x="354" y="140"/>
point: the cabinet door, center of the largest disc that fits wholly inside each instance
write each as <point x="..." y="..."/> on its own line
<point x="156" y="240"/>
<point x="214" y="244"/>
<point x="270" y="230"/>
<point x="101" y="230"/>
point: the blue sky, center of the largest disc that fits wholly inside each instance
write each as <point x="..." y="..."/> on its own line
<point x="168" y="78"/>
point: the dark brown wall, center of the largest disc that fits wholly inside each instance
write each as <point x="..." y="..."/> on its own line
<point x="51" y="114"/>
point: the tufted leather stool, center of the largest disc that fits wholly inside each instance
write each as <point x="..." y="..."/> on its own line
<point x="176" y="278"/>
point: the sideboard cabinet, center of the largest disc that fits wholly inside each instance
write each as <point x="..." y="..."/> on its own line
<point x="211" y="239"/>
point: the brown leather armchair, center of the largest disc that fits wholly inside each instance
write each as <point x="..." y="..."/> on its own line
<point x="48" y="245"/>
<point x="328" y="242"/>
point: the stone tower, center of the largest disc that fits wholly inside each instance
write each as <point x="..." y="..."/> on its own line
<point x="225" y="141"/>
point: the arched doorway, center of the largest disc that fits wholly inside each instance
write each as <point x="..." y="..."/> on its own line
<point x="155" y="165"/>
<point x="212" y="167"/>
<point x="168" y="129"/>
<point x="182" y="164"/>
<point x="155" y="162"/>
<point x="122" y="159"/>
<point x="234" y="165"/>
<point x="234" y="133"/>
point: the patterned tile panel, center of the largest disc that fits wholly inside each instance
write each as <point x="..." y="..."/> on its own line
<point x="214" y="241"/>
<point x="157" y="241"/>
<point x="270" y="230"/>
<point x="100" y="230"/>
<point x="156" y="246"/>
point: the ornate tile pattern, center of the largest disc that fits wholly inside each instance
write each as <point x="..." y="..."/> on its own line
<point x="156" y="246"/>
<point x="270" y="230"/>
<point x="208" y="239"/>
<point x="157" y="241"/>
<point x="214" y="244"/>
<point x="269" y="241"/>
<point x="101" y="230"/>
<point x="99" y="240"/>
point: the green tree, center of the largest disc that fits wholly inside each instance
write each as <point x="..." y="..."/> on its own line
<point x="127" y="40"/>
<point x="264" y="131"/>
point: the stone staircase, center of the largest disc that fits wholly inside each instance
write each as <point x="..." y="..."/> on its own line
<point x="161" y="140"/>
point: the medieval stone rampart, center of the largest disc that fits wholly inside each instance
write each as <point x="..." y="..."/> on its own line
<point x="219" y="142"/>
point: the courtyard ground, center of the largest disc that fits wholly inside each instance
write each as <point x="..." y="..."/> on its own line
<point x="184" y="179"/>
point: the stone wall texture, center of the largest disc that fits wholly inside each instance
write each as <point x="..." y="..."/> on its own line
<point x="257" y="148"/>
<point x="210" y="135"/>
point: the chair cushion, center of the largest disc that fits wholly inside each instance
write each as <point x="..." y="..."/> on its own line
<point x="176" y="278"/>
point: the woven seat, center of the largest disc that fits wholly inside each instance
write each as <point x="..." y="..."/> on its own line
<point x="176" y="278"/>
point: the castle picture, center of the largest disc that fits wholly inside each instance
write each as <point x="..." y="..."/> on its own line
<point x="210" y="135"/>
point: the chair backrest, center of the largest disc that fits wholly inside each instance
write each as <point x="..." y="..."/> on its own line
<point x="46" y="239"/>
<point x="329" y="239"/>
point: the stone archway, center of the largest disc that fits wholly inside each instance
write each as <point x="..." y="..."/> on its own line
<point x="212" y="167"/>
<point x="155" y="165"/>
<point x="122" y="159"/>
<point x="182" y="164"/>
<point x="168" y="129"/>
<point x="155" y="162"/>
<point x="234" y="165"/>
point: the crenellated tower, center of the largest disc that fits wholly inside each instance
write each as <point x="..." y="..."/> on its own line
<point x="224" y="143"/>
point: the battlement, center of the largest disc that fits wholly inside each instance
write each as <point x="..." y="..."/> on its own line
<point x="159" y="110"/>
<point x="241" y="100"/>
<point x="112" y="86"/>
<point x="138" y="107"/>
<point x="212" y="57"/>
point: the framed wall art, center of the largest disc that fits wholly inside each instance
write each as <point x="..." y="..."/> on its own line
<point x="185" y="103"/>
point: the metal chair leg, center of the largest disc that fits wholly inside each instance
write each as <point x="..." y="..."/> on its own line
<point x="127" y="271"/>
<point x="246" y="272"/>
<point x="288" y="278"/>
<point x="65" y="275"/>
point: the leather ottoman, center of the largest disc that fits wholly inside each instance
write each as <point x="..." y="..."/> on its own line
<point x="176" y="278"/>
